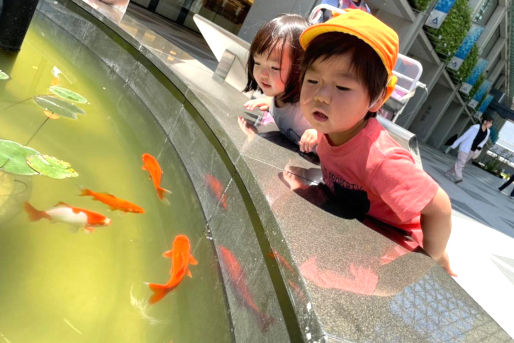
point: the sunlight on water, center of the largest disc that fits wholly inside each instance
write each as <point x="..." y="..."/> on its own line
<point x="62" y="285"/>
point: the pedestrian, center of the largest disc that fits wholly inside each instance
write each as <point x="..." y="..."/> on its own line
<point x="506" y="184"/>
<point x="470" y="145"/>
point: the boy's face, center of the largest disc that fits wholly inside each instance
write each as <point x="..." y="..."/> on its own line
<point x="334" y="100"/>
<point x="270" y="74"/>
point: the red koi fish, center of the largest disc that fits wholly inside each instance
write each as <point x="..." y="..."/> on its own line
<point x="113" y="202"/>
<point x="153" y="168"/>
<point x="65" y="213"/>
<point x="299" y="292"/>
<point x="181" y="258"/>
<point x="217" y="189"/>
<point x="274" y="254"/>
<point x="237" y="279"/>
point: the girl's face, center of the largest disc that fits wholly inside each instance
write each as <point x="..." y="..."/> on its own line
<point x="271" y="70"/>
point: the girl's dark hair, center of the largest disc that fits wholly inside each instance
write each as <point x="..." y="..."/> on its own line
<point x="364" y="60"/>
<point x="284" y="29"/>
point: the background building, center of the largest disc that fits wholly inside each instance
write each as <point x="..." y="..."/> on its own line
<point x="476" y="31"/>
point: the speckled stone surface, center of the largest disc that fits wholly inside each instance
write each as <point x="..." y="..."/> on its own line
<point x="312" y="276"/>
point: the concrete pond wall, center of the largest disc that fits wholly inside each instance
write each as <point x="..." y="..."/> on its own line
<point x="308" y="275"/>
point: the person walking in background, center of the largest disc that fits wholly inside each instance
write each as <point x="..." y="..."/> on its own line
<point x="506" y="184"/>
<point x="470" y="145"/>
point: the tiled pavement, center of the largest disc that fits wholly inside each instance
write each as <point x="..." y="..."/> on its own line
<point x="481" y="246"/>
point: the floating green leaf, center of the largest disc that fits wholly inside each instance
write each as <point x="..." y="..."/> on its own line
<point x="68" y="94"/>
<point x="51" y="166"/>
<point x="3" y="76"/>
<point x="58" y="106"/>
<point x="14" y="157"/>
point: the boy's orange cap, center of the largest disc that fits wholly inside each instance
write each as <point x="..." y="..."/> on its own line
<point x="366" y="27"/>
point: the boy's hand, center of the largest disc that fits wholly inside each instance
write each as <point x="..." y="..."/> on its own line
<point x="436" y="223"/>
<point x="308" y="141"/>
<point x="262" y="104"/>
<point x="444" y="262"/>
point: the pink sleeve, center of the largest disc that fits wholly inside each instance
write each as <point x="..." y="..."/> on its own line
<point x="405" y="188"/>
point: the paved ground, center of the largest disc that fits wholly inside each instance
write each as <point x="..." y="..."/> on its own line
<point x="481" y="246"/>
<point x="477" y="196"/>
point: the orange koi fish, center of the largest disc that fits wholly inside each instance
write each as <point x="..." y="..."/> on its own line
<point x="274" y="254"/>
<point x="181" y="258"/>
<point x="113" y="202"/>
<point x="237" y="279"/>
<point x="153" y="168"/>
<point x="65" y="213"/>
<point x="217" y="189"/>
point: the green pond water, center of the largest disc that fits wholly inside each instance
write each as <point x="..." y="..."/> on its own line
<point x="58" y="285"/>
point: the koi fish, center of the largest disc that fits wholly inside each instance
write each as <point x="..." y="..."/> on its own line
<point x="181" y="258"/>
<point x="65" y="213"/>
<point x="153" y="168"/>
<point x="299" y="292"/>
<point x="113" y="202"/>
<point x="237" y="279"/>
<point x="274" y="254"/>
<point x="217" y="189"/>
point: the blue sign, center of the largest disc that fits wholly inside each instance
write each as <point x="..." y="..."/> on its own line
<point x="484" y="88"/>
<point x="444" y="5"/>
<point x="466" y="46"/>
<point x="487" y="101"/>
<point x="475" y="74"/>
<point x="439" y="13"/>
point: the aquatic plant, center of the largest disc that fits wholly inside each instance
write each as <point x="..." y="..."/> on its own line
<point x="68" y="94"/>
<point x="22" y="160"/>
<point x="51" y="166"/>
<point x="58" y="106"/>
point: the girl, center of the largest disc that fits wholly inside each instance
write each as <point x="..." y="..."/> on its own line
<point x="274" y="69"/>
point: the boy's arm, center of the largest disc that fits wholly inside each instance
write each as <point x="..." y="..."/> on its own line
<point x="436" y="224"/>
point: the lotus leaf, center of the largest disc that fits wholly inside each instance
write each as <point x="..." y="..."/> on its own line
<point x="68" y="94"/>
<point x="14" y="158"/>
<point x="58" y="106"/>
<point x="3" y="76"/>
<point x="51" y="166"/>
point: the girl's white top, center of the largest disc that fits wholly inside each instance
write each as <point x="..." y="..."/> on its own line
<point x="289" y="120"/>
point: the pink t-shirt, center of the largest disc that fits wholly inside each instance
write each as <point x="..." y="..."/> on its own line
<point x="374" y="166"/>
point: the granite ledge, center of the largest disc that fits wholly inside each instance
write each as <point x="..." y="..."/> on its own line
<point x="341" y="270"/>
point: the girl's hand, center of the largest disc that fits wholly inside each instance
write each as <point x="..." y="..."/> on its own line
<point x="262" y="104"/>
<point x="246" y="127"/>
<point x="308" y="141"/>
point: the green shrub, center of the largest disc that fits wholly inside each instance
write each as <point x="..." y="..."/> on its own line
<point x="447" y="39"/>
<point x="466" y="67"/>
<point x="476" y="86"/>
<point x="420" y="5"/>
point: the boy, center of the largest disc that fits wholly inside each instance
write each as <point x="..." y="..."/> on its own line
<point x="347" y="76"/>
